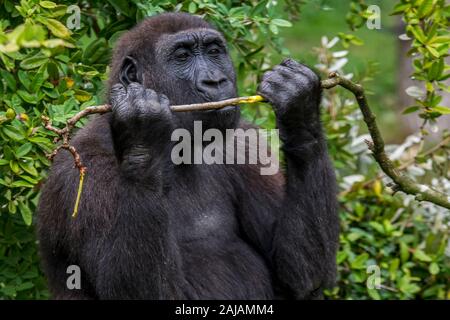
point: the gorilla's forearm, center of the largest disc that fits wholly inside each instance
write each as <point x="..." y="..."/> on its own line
<point x="146" y="164"/>
<point x="307" y="233"/>
<point x="143" y="156"/>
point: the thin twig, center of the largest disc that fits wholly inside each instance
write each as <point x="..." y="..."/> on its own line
<point x="402" y="182"/>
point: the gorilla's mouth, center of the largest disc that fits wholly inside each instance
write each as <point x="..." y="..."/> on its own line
<point x="225" y="109"/>
<point x="222" y="97"/>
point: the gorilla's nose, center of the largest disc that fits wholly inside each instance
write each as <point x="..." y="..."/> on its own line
<point x="211" y="83"/>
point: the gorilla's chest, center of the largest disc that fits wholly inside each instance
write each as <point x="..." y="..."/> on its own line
<point x="216" y="258"/>
<point x="202" y="207"/>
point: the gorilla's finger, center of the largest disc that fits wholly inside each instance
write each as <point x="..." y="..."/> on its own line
<point x="291" y="63"/>
<point x="151" y="105"/>
<point x="151" y="95"/>
<point x="117" y="93"/>
<point x="266" y="90"/>
<point x="278" y="81"/>
<point x="118" y="97"/>
<point x="300" y="68"/>
<point x="286" y="72"/>
<point x="164" y="101"/>
<point x="135" y="91"/>
<point x="267" y="75"/>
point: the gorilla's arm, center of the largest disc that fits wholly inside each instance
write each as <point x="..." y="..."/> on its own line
<point x="305" y="231"/>
<point x="139" y="254"/>
<point x="120" y="238"/>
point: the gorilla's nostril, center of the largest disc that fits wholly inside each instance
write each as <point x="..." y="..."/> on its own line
<point x="214" y="83"/>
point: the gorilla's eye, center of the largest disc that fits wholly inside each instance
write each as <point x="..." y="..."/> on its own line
<point x="214" y="51"/>
<point x="181" y="55"/>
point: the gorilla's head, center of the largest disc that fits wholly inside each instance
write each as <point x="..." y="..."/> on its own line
<point x="183" y="57"/>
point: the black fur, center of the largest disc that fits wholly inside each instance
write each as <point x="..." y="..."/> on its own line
<point x="149" y="229"/>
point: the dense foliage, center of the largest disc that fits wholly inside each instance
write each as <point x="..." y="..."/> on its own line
<point x="54" y="62"/>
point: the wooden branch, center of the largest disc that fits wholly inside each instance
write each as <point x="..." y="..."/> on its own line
<point x="401" y="181"/>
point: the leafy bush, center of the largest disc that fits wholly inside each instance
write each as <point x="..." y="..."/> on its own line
<point x="50" y="65"/>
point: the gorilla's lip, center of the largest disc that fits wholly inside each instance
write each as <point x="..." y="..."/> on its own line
<point x="227" y="108"/>
<point x="223" y="109"/>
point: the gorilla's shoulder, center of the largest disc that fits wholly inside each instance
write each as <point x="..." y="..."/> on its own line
<point x="93" y="140"/>
<point x="96" y="137"/>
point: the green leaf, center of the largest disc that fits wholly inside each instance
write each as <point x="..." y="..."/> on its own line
<point x="377" y="226"/>
<point x="21" y="183"/>
<point x="25" y="285"/>
<point x="400" y="8"/>
<point x="425" y="8"/>
<point x="28" y="166"/>
<point x="411" y="109"/>
<point x="13" y="132"/>
<point x="9" y="291"/>
<point x="9" y="79"/>
<point x="418" y="34"/>
<point x="433" y="51"/>
<point x="47" y="4"/>
<point x="34" y="62"/>
<point x="341" y="256"/>
<point x="57" y="28"/>
<point x="24" y="78"/>
<point x="26" y="213"/>
<point x="373" y="293"/>
<point x="82" y="95"/>
<point x="192" y="7"/>
<point x="281" y="23"/>
<point x="441" y="109"/>
<point x="393" y="267"/>
<point x="14" y="166"/>
<point x="39" y="79"/>
<point x="39" y="140"/>
<point x="27" y="97"/>
<point x="12" y="208"/>
<point x="29" y="179"/>
<point x="421" y="256"/>
<point x="434" y="268"/>
<point x="404" y="252"/>
<point x="23" y="150"/>
<point x="121" y="6"/>
<point x="360" y="261"/>
<point x="273" y="28"/>
<point x="436" y="70"/>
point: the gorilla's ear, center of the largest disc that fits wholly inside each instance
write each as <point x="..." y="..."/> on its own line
<point x="130" y="71"/>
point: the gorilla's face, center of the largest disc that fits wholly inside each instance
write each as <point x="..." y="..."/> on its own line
<point x="191" y="66"/>
<point x="199" y="60"/>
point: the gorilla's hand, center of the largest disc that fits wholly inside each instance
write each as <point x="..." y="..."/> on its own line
<point x="139" y="115"/>
<point x="142" y="123"/>
<point x="294" y="92"/>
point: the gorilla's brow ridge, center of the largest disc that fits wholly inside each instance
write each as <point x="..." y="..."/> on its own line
<point x="169" y="42"/>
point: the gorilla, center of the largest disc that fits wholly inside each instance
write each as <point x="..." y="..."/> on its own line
<point x="150" y="229"/>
